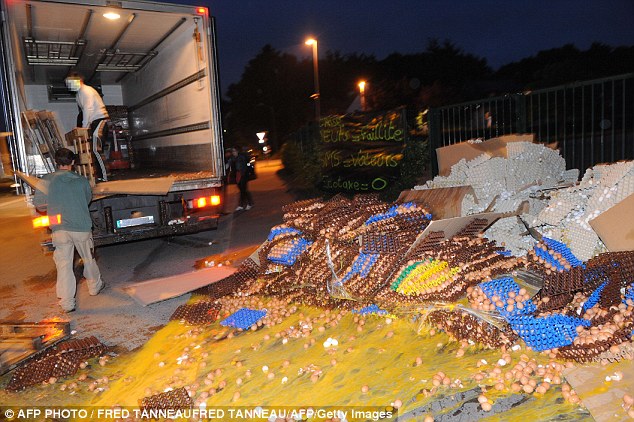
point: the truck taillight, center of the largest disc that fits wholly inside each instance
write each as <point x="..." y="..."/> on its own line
<point x="202" y="11"/>
<point x="46" y="221"/>
<point x="204" y="201"/>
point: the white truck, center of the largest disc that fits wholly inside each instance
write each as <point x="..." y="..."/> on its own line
<point x="156" y="64"/>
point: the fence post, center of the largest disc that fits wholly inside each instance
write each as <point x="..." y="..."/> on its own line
<point x="434" y="139"/>
<point x="520" y="112"/>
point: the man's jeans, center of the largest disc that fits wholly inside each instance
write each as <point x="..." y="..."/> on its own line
<point x="65" y="243"/>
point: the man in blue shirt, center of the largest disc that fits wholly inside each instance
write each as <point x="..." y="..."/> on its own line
<point x="66" y="204"/>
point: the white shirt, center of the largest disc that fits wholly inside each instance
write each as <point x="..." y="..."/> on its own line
<point x="91" y="105"/>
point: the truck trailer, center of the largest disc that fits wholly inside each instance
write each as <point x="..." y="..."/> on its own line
<point x="156" y="66"/>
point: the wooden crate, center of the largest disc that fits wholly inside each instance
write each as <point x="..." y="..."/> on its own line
<point x="81" y="143"/>
<point x="19" y="340"/>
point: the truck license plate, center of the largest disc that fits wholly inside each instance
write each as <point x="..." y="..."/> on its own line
<point x="131" y="222"/>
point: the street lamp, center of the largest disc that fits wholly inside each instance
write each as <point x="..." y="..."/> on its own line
<point x="313" y="42"/>
<point x="362" y="93"/>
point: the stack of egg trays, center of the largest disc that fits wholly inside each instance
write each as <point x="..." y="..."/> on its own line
<point x="243" y="318"/>
<point x="565" y="252"/>
<point x="297" y="247"/>
<point x="546" y="333"/>
<point x="501" y="287"/>
<point x="370" y="310"/>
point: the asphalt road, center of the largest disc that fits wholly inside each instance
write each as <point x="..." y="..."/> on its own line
<point x="27" y="275"/>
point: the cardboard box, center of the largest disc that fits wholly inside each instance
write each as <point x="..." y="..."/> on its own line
<point x="441" y="202"/>
<point x="615" y="226"/>
<point x="496" y="147"/>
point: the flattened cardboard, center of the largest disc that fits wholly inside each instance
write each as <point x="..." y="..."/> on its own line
<point x="441" y="202"/>
<point x="452" y="226"/>
<point x="154" y="186"/>
<point x="157" y="186"/>
<point x="615" y="226"/>
<point x="158" y="289"/>
<point x="496" y="147"/>
<point x="34" y="182"/>
<point x="602" y="398"/>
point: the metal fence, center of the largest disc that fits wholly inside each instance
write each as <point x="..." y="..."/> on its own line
<point x="592" y="121"/>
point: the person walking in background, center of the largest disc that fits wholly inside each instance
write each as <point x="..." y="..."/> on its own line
<point x="241" y="161"/>
<point x="228" y="178"/>
<point x="66" y="204"/>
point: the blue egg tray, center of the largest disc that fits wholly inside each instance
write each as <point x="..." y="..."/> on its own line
<point x="276" y="231"/>
<point x="243" y="318"/>
<point x="501" y="287"/>
<point x="370" y="310"/>
<point x="288" y="259"/>
<point x="548" y="332"/>
<point x="594" y="298"/>
<point x="362" y="265"/>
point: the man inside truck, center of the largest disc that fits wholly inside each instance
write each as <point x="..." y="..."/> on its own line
<point x="94" y="116"/>
<point x="66" y="204"/>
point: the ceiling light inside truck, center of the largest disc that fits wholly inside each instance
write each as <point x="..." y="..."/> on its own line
<point x="111" y="15"/>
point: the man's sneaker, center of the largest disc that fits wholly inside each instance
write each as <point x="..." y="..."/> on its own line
<point x="68" y="311"/>
<point x="239" y="208"/>
<point x="248" y="207"/>
<point x="99" y="289"/>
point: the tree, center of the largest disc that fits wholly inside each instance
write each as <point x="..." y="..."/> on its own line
<point x="273" y="94"/>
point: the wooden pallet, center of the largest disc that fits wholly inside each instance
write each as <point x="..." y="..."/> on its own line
<point x="19" y="340"/>
<point x="81" y="142"/>
<point x="37" y="143"/>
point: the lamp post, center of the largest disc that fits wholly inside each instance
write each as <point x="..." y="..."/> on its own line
<point x="313" y="42"/>
<point x="362" y="94"/>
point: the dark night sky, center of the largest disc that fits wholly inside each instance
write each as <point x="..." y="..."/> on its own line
<point x="500" y="31"/>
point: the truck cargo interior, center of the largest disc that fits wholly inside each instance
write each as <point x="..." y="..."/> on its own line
<point x="153" y="66"/>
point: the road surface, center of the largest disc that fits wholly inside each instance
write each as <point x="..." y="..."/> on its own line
<point x="27" y="275"/>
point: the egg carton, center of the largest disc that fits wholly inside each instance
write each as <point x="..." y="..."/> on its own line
<point x="508" y="205"/>
<point x="535" y="206"/>
<point x="370" y="310"/>
<point x="479" y="160"/>
<point x="287" y="251"/>
<point x="174" y="399"/>
<point x="199" y="313"/>
<point x="282" y="230"/>
<point x="625" y="188"/>
<point x="570" y="176"/>
<point x="501" y="287"/>
<point x="563" y="250"/>
<point x="583" y="243"/>
<point x="515" y="150"/>
<point x="59" y="361"/>
<point x="361" y="266"/>
<point x="548" y="332"/>
<point x="558" y="209"/>
<point x="243" y="318"/>
<point x="470" y="206"/>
